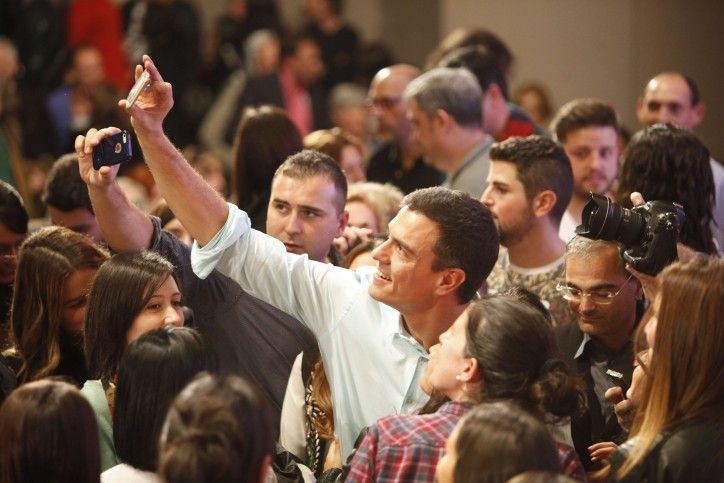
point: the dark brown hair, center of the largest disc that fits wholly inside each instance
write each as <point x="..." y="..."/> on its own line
<point x="218" y="429"/>
<point x="516" y="351"/>
<point x="123" y="286"/>
<point x="496" y="441"/>
<point x="581" y="113"/>
<point x="47" y="258"/>
<point x="48" y="432"/>
<point x="540" y="165"/>
<point x="468" y="237"/>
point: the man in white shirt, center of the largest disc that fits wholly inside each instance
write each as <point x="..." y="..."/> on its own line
<point x="373" y="329"/>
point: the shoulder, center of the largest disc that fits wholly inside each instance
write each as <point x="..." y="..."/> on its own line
<point x="569" y="338"/>
<point x="692" y="451"/>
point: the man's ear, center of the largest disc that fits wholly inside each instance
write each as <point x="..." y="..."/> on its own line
<point x="343" y="220"/>
<point x="640" y="115"/>
<point x="697" y="114"/>
<point x="494" y="92"/>
<point x="442" y="120"/>
<point x="450" y="280"/>
<point x="543" y="203"/>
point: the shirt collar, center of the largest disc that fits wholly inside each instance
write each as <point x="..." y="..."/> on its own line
<point x="582" y="347"/>
<point x="474" y="153"/>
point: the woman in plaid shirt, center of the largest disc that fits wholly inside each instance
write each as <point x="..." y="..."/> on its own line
<point x="501" y="348"/>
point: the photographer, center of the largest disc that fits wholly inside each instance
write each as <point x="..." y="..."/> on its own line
<point x="604" y="297"/>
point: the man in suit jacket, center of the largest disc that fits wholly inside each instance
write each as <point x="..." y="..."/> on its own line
<point x="604" y="297"/>
<point x="293" y="87"/>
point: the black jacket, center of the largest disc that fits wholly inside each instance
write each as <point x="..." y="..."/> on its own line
<point x="589" y="427"/>
<point x="693" y="451"/>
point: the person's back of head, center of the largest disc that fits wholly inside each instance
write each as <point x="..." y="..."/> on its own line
<point x="667" y="163"/>
<point x="47" y="259"/>
<point x="13" y="216"/>
<point x="48" y="432"/>
<point x="481" y="62"/>
<point x="515" y="347"/>
<point x="541" y="165"/>
<point x="13" y="228"/>
<point x="66" y="195"/>
<point x="468" y="238"/>
<point x="473" y="36"/>
<point x="494" y="442"/>
<point x="454" y="91"/>
<point x="266" y="136"/>
<point x="218" y="429"/>
<point x="153" y="370"/>
<point x="64" y="188"/>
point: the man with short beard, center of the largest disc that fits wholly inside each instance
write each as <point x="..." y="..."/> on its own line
<point x="588" y="131"/>
<point x="529" y="186"/>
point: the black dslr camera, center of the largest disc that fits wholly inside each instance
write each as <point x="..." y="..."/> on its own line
<point x="647" y="232"/>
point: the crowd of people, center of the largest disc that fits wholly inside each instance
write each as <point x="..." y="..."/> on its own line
<point x="322" y="265"/>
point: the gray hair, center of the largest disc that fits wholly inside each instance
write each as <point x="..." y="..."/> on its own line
<point x="254" y="44"/>
<point x="588" y="248"/>
<point x="455" y="91"/>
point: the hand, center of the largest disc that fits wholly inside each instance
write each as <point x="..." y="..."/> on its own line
<point x="602" y="451"/>
<point x="351" y="237"/>
<point x="154" y="102"/>
<point x="84" y="146"/>
<point x="334" y="455"/>
<point x="624" y="408"/>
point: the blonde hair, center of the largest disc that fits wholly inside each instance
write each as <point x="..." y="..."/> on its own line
<point x="383" y="199"/>
<point x="686" y="370"/>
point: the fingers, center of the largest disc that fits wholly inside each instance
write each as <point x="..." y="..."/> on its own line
<point x="602" y="451"/>
<point x="614" y="395"/>
<point x="151" y="68"/>
<point x="637" y="198"/>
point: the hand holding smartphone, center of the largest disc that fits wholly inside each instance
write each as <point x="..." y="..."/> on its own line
<point x="617" y="379"/>
<point x="112" y="150"/>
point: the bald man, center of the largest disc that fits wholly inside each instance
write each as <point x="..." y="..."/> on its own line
<point x="673" y="97"/>
<point x="399" y="158"/>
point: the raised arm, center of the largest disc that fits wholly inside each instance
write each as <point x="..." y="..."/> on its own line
<point x="197" y="205"/>
<point x="125" y="227"/>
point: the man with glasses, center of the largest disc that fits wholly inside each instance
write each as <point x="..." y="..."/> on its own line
<point x="604" y="297"/>
<point x="399" y="158"/>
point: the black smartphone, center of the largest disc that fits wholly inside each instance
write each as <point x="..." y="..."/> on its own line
<point x="617" y="379"/>
<point x="113" y="150"/>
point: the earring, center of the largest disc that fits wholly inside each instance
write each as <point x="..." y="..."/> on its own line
<point x="458" y="377"/>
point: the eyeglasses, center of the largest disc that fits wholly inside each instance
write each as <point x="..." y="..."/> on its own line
<point x="598" y="297"/>
<point x="383" y="102"/>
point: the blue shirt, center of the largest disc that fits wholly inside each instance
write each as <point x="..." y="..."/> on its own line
<point x="374" y="366"/>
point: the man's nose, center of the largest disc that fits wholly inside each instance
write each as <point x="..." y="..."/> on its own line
<point x="294" y="224"/>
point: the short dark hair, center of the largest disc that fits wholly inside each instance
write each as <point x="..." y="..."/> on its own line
<point x="481" y="62"/>
<point x="664" y="162"/>
<point x="496" y="441"/>
<point x="65" y="189"/>
<point x="218" y="429"/>
<point x="467" y="36"/>
<point x="12" y="209"/>
<point x="516" y="351"/>
<point x="581" y="113"/>
<point x="153" y="370"/>
<point x="455" y="91"/>
<point x="290" y="43"/>
<point x="468" y="237"/>
<point x="310" y="164"/>
<point x="122" y="287"/>
<point x="48" y="432"/>
<point x="693" y="90"/>
<point x="541" y="165"/>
